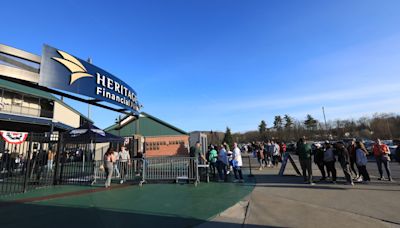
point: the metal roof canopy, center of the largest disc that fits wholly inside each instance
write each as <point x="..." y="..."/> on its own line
<point x="22" y="73"/>
<point x="22" y="121"/>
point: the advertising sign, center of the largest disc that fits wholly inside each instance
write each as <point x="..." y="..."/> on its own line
<point x="63" y="71"/>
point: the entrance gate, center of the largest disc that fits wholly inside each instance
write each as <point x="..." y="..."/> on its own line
<point x="44" y="160"/>
<point x="25" y="166"/>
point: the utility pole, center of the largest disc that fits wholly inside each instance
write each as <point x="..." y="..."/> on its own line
<point x="326" y="126"/>
<point x="118" y="122"/>
<point x="88" y="115"/>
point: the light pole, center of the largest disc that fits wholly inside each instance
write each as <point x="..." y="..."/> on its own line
<point x="88" y="115"/>
<point x="326" y="126"/>
<point x="118" y="121"/>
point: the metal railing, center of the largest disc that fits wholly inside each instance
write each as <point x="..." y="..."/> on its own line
<point x="170" y="169"/>
<point x="154" y="169"/>
<point x="93" y="172"/>
<point x="25" y="175"/>
<point x="123" y="171"/>
<point x="76" y="172"/>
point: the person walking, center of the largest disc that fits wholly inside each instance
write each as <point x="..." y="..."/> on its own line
<point x="319" y="160"/>
<point x="260" y="156"/>
<point x="237" y="163"/>
<point x="222" y="163"/>
<point x="268" y="153"/>
<point x="229" y="154"/>
<point x="282" y="149"/>
<point x="362" y="160"/>
<point x="197" y="153"/>
<point x="109" y="160"/>
<point x="329" y="161"/>
<point x="304" y="151"/>
<point x="50" y="160"/>
<point x="212" y="158"/>
<point x="124" y="162"/>
<point x="344" y="160"/>
<point x="381" y="154"/>
<point x="353" y="158"/>
<point x="198" y="157"/>
<point x="116" y="168"/>
<point x="275" y="153"/>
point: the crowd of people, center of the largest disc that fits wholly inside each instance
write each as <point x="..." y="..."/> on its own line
<point x="14" y="163"/>
<point x="352" y="159"/>
<point x="268" y="153"/>
<point x="222" y="160"/>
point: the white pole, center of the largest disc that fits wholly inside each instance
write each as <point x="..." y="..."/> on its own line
<point x="83" y="162"/>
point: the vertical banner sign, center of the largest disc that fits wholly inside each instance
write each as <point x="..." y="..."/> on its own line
<point x="13" y="137"/>
<point x="60" y="70"/>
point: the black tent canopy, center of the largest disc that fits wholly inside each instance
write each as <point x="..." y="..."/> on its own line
<point x="90" y="134"/>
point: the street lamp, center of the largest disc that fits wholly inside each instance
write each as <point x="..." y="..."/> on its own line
<point x="118" y="121"/>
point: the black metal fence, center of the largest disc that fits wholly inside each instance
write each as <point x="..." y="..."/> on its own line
<point x="25" y="166"/>
<point x="46" y="160"/>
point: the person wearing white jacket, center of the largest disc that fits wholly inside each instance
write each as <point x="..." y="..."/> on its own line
<point x="275" y="153"/>
<point x="237" y="163"/>
<point x="361" y="160"/>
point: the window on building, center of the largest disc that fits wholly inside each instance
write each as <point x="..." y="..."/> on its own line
<point x="8" y="101"/>
<point x="1" y="100"/>
<point x="18" y="103"/>
<point x="46" y="108"/>
<point x="30" y="106"/>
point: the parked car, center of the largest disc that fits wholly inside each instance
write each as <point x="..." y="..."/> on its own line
<point x="291" y="147"/>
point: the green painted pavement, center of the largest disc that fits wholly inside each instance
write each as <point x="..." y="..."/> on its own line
<point x="148" y="206"/>
<point x="45" y="191"/>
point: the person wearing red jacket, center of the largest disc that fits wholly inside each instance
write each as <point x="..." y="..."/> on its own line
<point x="282" y="148"/>
<point x="381" y="154"/>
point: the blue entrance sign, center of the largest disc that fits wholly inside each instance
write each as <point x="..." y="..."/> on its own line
<point x="63" y="71"/>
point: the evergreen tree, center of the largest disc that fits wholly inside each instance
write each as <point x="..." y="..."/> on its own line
<point x="278" y="122"/>
<point x="262" y="128"/>
<point x="310" y="122"/>
<point x="288" y="121"/>
<point x="228" y="137"/>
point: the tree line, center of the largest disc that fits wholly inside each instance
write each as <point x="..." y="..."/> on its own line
<point x="286" y="128"/>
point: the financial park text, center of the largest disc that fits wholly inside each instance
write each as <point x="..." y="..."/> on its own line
<point x="104" y="83"/>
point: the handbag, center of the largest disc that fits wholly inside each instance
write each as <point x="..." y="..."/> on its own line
<point x="385" y="157"/>
<point x="235" y="163"/>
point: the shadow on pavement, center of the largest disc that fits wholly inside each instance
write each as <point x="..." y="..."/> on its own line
<point x="14" y="215"/>
<point x="293" y="181"/>
<point x="305" y="186"/>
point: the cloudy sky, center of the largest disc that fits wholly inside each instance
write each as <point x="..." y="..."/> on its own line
<point x="205" y="65"/>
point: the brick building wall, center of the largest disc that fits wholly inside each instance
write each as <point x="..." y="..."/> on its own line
<point x="166" y="146"/>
